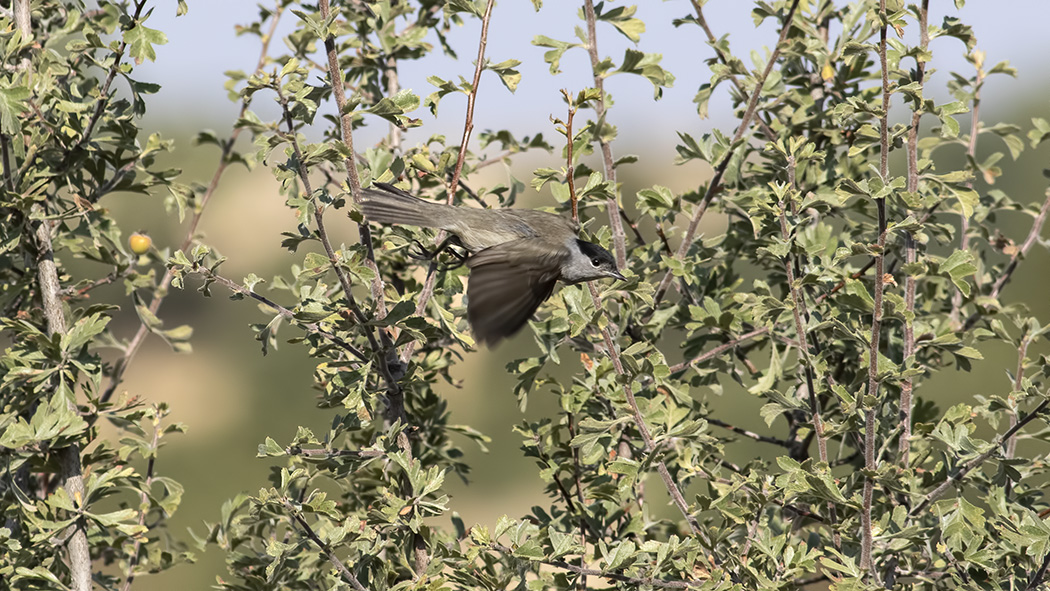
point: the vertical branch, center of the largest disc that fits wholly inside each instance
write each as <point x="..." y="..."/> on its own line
<point x="904" y="444"/>
<point x="393" y="86"/>
<point x="133" y="560"/>
<point x="612" y="203"/>
<point x="570" y="168"/>
<point x="468" y="127"/>
<point x="876" y="316"/>
<point x="121" y="366"/>
<point x="971" y="151"/>
<point x="70" y="467"/>
<point x="798" y="309"/>
<point x="346" y="116"/>
<point x="582" y="584"/>
<point x="715" y="184"/>
<point x="639" y="421"/>
<point x="1022" y="352"/>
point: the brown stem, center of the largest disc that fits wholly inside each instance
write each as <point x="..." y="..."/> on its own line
<point x="284" y="312"/>
<point x="876" y="316"/>
<point x="719" y="349"/>
<point x="613" y="205"/>
<point x="715" y="184"/>
<point x="346" y="117"/>
<point x="1015" y="259"/>
<point x="971" y="151"/>
<point x="121" y="366"/>
<point x="378" y="351"/>
<point x="722" y="57"/>
<point x="639" y="421"/>
<point x="637" y="581"/>
<point x="904" y="443"/>
<point x="748" y="434"/>
<point x="324" y="547"/>
<point x="468" y="127"/>
<point x="70" y="467"/>
<point x="129" y="572"/>
<point x="969" y="466"/>
<point x="570" y="168"/>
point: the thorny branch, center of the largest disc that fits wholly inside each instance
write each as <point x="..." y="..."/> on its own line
<point x="324" y="547"/>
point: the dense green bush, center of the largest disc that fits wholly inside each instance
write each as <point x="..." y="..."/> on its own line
<point x="851" y="271"/>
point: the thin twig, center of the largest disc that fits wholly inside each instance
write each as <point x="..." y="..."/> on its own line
<point x="798" y="308"/>
<point x="876" y="315"/>
<point x="346" y="117"/>
<point x="971" y="152"/>
<point x="133" y="560"/>
<point x="334" y="453"/>
<point x="1022" y="352"/>
<point x="612" y="203"/>
<point x="311" y="327"/>
<point x="713" y="42"/>
<point x="325" y="548"/>
<point x="121" y="366"/>
<point x="638" y="581"/>
<point x="969" y="466"/>
<point x="719" y="349"/>
<point x="1015" y="259"/>
<point x="715" y="184"/>
<point x="639" y="420"/>
<point x="1037" y="577"/>
<point x="468" y="127"/>
<point x="378" y="350"/>
<point x="748" y="434"/>
<point x="904" y="443"/>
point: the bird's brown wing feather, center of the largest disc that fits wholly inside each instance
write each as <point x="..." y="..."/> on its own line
<point x="507" y="283"/>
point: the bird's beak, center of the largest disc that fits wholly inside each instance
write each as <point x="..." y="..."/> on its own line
<point x="617" y="275"/>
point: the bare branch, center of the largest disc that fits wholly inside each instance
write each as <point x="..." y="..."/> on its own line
<point x="639" y="421"/>
<point x="1015" y="259"/>
<point x="719" y="349"/>
<point x="284" y="312"/>
<point x="346" y="131"/>
<point x="643" y="582"/>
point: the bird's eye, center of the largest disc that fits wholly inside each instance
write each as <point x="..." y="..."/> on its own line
<point x="595" y="261"/>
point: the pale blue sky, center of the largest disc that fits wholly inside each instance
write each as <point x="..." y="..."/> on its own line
<point x="202" y="45"/>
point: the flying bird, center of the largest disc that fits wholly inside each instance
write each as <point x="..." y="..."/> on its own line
<point x="516" y="256"/>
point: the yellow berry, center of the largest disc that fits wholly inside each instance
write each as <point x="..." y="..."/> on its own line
<point x="139" y="243"/>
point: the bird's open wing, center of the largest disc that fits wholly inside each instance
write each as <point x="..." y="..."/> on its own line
<point x="507" y="283"/>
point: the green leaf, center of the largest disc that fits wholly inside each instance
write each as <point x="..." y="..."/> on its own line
<point x="141" y="39"/>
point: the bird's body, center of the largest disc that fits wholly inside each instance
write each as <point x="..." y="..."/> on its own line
<point x="516" y="255"/>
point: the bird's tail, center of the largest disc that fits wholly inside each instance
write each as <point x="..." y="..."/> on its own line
<point x="386" y="204"/>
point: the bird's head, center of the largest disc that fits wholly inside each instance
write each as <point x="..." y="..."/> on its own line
<point x="589" y="262"/>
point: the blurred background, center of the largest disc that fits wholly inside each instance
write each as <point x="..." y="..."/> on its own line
<point x="231" y="397"/>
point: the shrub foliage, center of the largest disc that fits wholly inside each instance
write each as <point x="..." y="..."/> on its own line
<point x="852" y="263"/>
